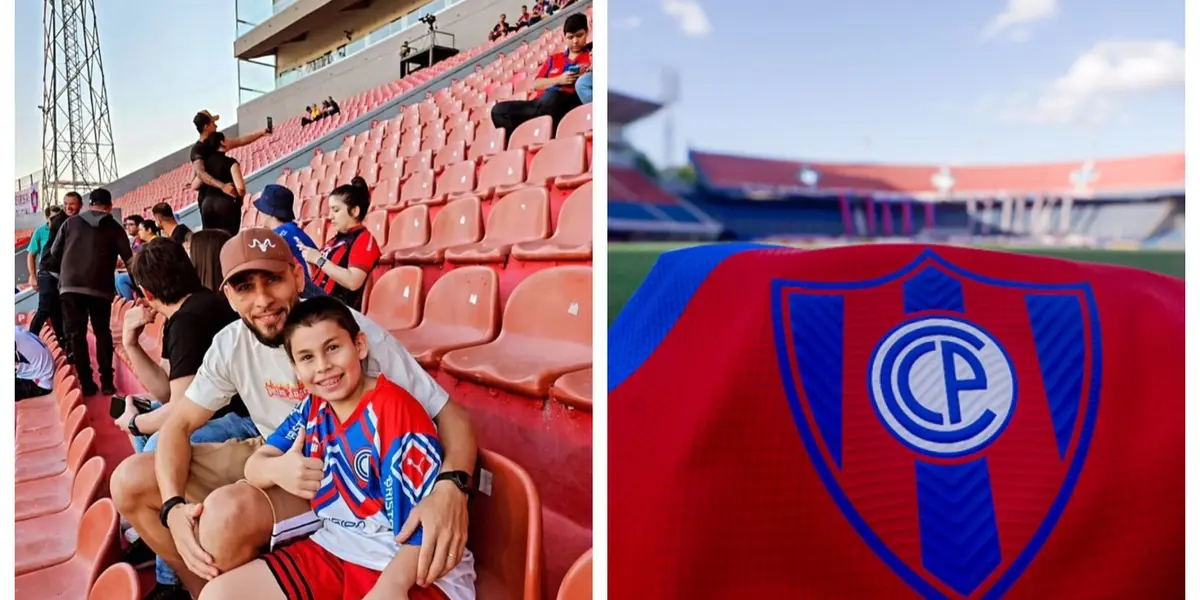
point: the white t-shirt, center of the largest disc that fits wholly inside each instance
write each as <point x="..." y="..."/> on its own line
<point x="34" y="361"/>
<point x="237" y="363"/>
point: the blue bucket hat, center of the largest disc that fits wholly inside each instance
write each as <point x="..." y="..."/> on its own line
<point x="276" y="201"/>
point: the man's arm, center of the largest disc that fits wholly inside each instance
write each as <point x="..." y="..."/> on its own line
<point x="245" y="140"/>
<point x="56" y="249"/>
<point x="152" y="377"/>
<point x="205" y="178"/>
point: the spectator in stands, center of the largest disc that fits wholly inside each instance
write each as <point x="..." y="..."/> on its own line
<point x="501" y="29"/>
<point x="35" y="365"/>
<point x="344" y="265"/>
<point x="262" y="283"/>
<point x="49" y="306"/>
<point x="523" y="20"/>
<point x="148" y="230"/>
<point x="195" y="315"/>
<point x="333" y="106"/>
<point x="87" y="248"/>
<point x="276" y="205"/>
<point x="326" y="345"/>
<point x="220" y="209"/>
<point x="216" y="215"/>
<point x="539" y="12"/>
<point x="131" y="223"/>
<point x="306" y="118"/>
<point x="38" y="246"/>
<point x="555" y="82"/>
<point x="172" y="228"/>
<point x="204" y="247"/>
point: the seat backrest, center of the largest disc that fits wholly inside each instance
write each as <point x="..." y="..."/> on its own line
<point x="81" y="445"/>
<point x="460" y="222"/>
<point x="97" y="533"/>
<point x="552" y="304"/>
<point x="87" y="483"/>
<point x="391" y="168"/>
<point x="506" y="531"/>
<point x="458" y="177"/>
<point x="533" y="131"/>
<point x="376" y="223"/>
<point x="454" y="151"/>
<point x="418" y="187"/>
<point x="488" y="141"/>
<point x="418" y="162"/>
<point x="562" y="156"/>
<point x="118" y="582"/>
<point x="505" y="168"/>
<point x="316" y="231"/>
<point x="69" y="384"/>
<point x="520" y="216"/>
<point x="575" y="217"/>
<point x="396" y="298"/>
<point x="69" y="402"/>
<point x="466" y="297"/>
<point x="72" y="425"/>
<point x="577" y="584"/>
<point x="578" y="121"/>
<point x="409" y="229"/>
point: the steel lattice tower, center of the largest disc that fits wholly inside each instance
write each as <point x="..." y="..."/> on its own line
<point x="77" y="144"/>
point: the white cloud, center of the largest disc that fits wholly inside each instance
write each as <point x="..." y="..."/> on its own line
<point x="692" y="19"/>
<point x="627" y="23"/>
<point x="1101" y="80"/>
<point x="1017" y="16"/>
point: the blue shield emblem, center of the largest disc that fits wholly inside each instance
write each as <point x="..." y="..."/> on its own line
<point x="949" y="414"/>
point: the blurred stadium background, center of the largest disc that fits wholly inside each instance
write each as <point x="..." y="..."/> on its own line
<point x="1127" y="211"/>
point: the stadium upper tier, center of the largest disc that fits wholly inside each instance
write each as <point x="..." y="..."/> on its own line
<point x="510" y="80"/>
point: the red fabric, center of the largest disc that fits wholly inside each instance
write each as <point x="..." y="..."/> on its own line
<point x="363" y="254"/>
<point x="713" y="492"/>
<point x="556" y="64"/>
<point x="306" y="571"/>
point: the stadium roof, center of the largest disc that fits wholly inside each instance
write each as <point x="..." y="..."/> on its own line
<point x="623" y="110"/>
<point x="1158" y="174"/>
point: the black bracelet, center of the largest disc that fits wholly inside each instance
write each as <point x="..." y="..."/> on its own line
<point x="167" y="506"/>
<point x="133" y="428"/>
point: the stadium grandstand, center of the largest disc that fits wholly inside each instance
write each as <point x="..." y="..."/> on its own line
<point x="484" y="275"/>
<point x="1128" y="202"/>
<point x="639" y="207"/>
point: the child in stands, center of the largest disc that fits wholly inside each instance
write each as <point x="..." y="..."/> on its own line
<point x="365" y="453"/>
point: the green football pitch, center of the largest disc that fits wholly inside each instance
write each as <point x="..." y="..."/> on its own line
<point x="629" y="263"/>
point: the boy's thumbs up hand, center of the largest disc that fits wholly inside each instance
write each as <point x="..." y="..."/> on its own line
<point x="298" y="474"/>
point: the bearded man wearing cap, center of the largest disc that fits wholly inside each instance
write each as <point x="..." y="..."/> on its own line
<point x="190" y="501"/>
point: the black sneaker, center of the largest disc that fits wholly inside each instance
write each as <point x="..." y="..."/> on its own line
<point x="168" y="592"/>
<point x="139" y="555"/>
<point x="108" y="389"/>
<point x="89" y="389"/>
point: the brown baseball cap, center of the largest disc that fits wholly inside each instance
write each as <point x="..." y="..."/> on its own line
<point x="257" y="249"/>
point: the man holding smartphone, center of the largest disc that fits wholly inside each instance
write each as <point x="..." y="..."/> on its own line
<point x="210" y="186"/>
<point x="555" y="83"/>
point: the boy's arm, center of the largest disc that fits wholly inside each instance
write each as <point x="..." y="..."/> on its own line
<point x="282" y="460"/>
<point x="398" y="577"/>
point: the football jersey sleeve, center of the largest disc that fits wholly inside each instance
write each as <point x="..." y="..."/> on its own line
<point x="285" y="435"/>
<point x="412" y="459"/>
<point x="364" y="253"/>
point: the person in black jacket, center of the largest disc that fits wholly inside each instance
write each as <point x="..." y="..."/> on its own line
<point x="49" y="307"/>
<point x="86" y="249"/>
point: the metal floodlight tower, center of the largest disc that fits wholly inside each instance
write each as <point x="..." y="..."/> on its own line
<point x="77" y="144"/>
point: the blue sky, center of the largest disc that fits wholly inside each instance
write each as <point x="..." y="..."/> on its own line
<point x="163" y="61"/>
<point x="932" y="81"/>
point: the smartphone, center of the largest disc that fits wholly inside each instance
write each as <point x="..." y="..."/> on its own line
<point x="116" y="407"/>
<point x="574" y="69"/>
<point x="270" y="125"/>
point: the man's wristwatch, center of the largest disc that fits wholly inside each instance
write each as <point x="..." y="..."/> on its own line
<point x="460" y="479"/>
<point x="167" y="506"/>
<point x="321" y="263"/>
<point x="133" y="429"/>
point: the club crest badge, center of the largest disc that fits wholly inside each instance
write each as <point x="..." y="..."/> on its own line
<point x="948" y="414"/>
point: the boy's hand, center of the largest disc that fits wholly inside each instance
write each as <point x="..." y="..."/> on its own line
<point x="296" y="473"/>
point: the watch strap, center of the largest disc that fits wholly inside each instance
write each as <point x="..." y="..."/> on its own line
<point x="167" y="506"/>
<point x="461" y="480"/>
<point x="133" y="428"/>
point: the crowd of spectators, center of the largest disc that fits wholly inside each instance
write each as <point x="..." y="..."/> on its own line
<point x="562" y="84"/>
<point x="528" y="17"/>
<point x="315" y="112"/>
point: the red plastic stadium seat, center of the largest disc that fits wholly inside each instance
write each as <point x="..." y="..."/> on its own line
<point x="577" y="122"/>
<point x="458" y="223"/>
<point x="376" y="223"/>
<point x="455" y="151"/>
<point x="396" y="299"/>
<point x="408" y="229"/>
<point x="457" y="180"/>
<point x="506" y="531"/>
<point x="573" y="238"/>
<point x="96" y="533"/>
<point x="53" y="494"/>
<point x="574" y="390"/>
<point x="532" y="134"/>
<point x="463" y="309"/>
<point x="488" y="141"/>
<point x="577" y="585"/>
<point x="32" y="440"/>
<point x="417" y="188"/>
<point x="504" y="169"/>
<point x="118" y="582"/>
<point x="51" y="539"/>
<point x="519" y="217"/>
<point x="562" y="157"/>
<point x="29" y="420"/>
<point x="546" y="333"/>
